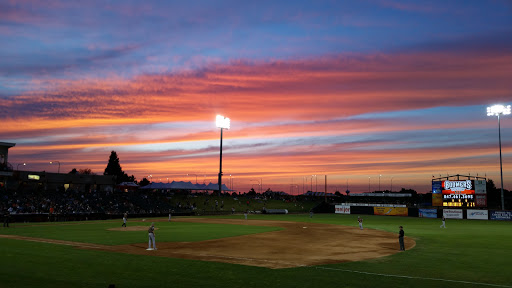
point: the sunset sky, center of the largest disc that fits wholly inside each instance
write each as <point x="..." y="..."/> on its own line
<point x="347" y="89"/>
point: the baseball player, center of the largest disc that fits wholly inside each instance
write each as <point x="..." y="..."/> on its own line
<point x="151" y="233"/>
<point x="360" y="220"/>
<point x="169" y="216"/>
<point x="401" y="235"/>
<point x="125" y="217"/>
<point x="245" y="214"/>
<point x="444" y="223"/>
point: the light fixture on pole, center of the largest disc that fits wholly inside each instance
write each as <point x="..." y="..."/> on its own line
<point x="379" y="182"/>
<point x="18" y="167"/>
<point x="222" y="123"/>
<point x="58" y="169"/>
<point x="498" y="110"/>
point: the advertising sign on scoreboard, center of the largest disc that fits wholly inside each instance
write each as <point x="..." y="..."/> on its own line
<point x="437" y="193"/>
<point x="342" y="209"/>
<point x="452" y="213"/>
<point x="480" y="187"/>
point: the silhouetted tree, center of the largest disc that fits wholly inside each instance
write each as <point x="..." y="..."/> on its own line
<point x="114" y="168"/>
<point x="144" y="182"/>
<point x="251" y="192"/>
<point x="85" y="171"/>
<point x="73" y="171"/>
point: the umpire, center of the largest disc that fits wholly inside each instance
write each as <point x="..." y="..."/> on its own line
<point x="401" y="235"/>
<point x="7" y="215"/>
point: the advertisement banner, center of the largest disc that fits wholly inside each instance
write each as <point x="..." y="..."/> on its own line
<point x="437" y="199"/>
<point x="437" y="187"/>
<point x="452" y="213"/>
<point x="391" y="211"/>
<point x="342" y="209"/>
<point x="478" y="214"/>
<point x="501" y="215"/>
<point x="427" y="213"/>
<point x="480" y="187"/>
<point x="481" y="200"/>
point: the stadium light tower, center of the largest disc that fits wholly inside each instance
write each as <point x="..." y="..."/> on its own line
<point x="58" y="169"/>
<point x="498" y="110"/>
<point x="18" y="167"/>
<point x="222" y="123"/>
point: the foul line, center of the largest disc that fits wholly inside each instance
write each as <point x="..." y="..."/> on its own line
<point x="415" y="277"/>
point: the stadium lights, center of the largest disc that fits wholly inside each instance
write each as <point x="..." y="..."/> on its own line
<point x="58" y="170"/>
<point x="222" y="123"/>
<point x="498" y="110"/>
<point x="18" y="167"/>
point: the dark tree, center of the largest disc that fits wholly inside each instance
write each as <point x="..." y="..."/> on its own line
<point x="114" y="169"/>
<point x="252" y="192"/>
<point x="143" y="182"/>
<point x="85" y="171"/>
<point x="73" y="171"/>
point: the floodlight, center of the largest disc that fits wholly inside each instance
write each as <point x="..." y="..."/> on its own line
<point x="223" y="122"/>
<point x="498" y="110"/>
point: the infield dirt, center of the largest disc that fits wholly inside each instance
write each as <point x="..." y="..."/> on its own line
<point x="298" y="244"/>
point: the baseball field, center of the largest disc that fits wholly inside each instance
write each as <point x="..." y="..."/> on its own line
<point x="327" y="250"/>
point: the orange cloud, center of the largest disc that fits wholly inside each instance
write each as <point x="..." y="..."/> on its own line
<point x="289" y="118"/>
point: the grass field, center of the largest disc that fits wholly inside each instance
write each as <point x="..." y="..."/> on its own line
<point x="469" y="253"/>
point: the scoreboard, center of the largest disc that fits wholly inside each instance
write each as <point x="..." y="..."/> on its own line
<point x="459" y="193"/>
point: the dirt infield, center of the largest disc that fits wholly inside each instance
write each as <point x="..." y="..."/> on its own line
<point x="298" y="244"/>
<point x="131" y="228"/>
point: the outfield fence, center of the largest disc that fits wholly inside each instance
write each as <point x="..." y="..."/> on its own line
<point x="399" y="210"/>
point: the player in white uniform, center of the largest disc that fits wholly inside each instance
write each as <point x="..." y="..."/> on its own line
<point x="444" y="223"/>
<point x="151" y="233"/>
<point x="360" y="220"/>
<point x="125" y="217"/>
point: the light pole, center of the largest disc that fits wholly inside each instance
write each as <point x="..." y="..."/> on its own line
<point x="379" y="182"/>
<point x="391" y="184"/>
<point x="193" y="175"/>
<point x="58" y="170"/>
<point x="222" y="123"/>
<point x="498" y="110"/>
<point x="18" y="167"/>
<point x="259" y="183"/>
<point x="316" y="183"/>
<point x="368" y="184"/>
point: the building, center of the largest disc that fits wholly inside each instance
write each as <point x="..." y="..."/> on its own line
<point x="6" y="170"/>
<point x="45" y="181"/>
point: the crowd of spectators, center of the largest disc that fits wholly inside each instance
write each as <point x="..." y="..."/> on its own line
<point x="76" y="202"/>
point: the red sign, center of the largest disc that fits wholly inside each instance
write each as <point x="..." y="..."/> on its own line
<point x="465" y="187"/>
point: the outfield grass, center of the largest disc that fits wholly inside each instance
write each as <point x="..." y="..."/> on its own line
<point x="467" y="251"/>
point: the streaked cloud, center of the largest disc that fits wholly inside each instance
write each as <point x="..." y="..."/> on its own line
<point x="349" y="90"/>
